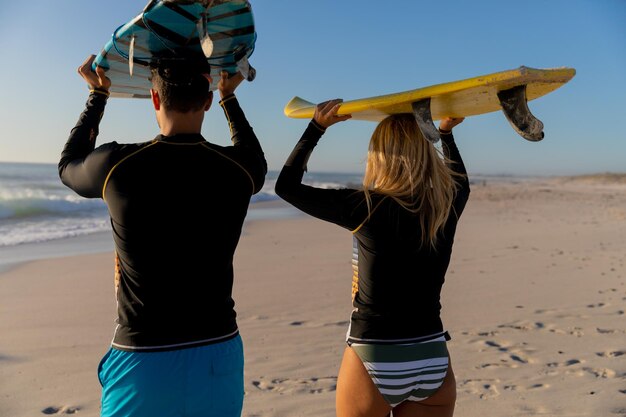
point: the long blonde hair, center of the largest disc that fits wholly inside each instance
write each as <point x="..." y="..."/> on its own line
<point x="406" y="167"/>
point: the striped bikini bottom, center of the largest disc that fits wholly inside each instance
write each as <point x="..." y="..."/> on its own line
<point x="410" y="372"/>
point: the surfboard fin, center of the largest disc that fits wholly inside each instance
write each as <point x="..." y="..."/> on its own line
<point x="515" y="108"/>
<point x="424" y="119"/>
<point x="244" y="67"/>
<point x="206" y="43"/>
<point x="131" y="55"/>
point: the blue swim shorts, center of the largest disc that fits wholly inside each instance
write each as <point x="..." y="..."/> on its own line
<point x="202" y="381"/>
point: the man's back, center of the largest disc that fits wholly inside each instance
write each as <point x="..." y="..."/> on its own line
<point x="177" y="206"/>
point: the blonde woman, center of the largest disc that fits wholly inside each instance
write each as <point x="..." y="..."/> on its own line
<point x="403" y="223"/>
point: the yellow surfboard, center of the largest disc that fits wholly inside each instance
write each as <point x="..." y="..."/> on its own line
<point x="506" y="90"/>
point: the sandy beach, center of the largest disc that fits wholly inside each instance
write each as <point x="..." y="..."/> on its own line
<point x="535" y="301"/>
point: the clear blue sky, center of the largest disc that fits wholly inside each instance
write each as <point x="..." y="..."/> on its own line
<point x="347" y="49"/>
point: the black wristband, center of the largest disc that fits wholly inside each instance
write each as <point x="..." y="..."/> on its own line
<point x="100" y="91"/>
<point x="318" y="126"/>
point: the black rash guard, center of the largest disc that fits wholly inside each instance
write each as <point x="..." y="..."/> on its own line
<point x="177" y="205"/>
<point x="398" y="282"/>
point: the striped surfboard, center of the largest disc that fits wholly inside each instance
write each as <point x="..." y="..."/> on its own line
<point x="221" y="29"/>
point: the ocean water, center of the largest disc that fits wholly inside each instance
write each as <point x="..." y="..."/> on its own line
<point x="41" y="218"/>
<point x="36" y="207"/>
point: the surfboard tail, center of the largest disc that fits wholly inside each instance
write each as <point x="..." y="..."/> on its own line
<point x="226" y="28"/>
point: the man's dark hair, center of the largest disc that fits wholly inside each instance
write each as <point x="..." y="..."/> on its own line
<point x="179" y="81"/>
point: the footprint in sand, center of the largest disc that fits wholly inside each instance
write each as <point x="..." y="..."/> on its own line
<point x="60" y="410"/>
<point x="611" y="354"/>
<point x="489" y="333"/>
<point x="575" y="331"/>
<point x="545" y="311"/>
<point x="524" y="325"/>
<point x="569" y="362"/>
<point x="609" y="331"/>
<point x="559" y="314"/>
<point x="601" y="372"/>
<point x="483" y="388"/>
<point x="503" y="364"/>
<point x="312" y="385"/>
<point x="263" y="385"/>
<point x="569" y="365"/>
<point x="534" y="411"/>
<point x="343" y="323"/>
<point x="514" y="352"/>
<point x="540" y="326"/>
<point x="253" y="318"/>
<point x="607" y="291"/>
<point x="526" y="388"/>
<point x="596" y="305"/>
<point x="338" y="323"/>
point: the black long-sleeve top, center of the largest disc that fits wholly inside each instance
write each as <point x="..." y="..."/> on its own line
<point x="177" y="205"/>
<point x="397" y="280"/>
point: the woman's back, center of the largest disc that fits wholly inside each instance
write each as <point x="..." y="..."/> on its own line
<point x="399" y="278"/>
<point x="403" y="224"/>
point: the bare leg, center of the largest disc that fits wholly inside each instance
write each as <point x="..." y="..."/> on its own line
<point x="440" y="404"/>
<point x="357" y="396"/>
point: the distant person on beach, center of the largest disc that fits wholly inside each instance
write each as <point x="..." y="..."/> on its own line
<point x="177" y="204"/>
<point x="403" y="222"/>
